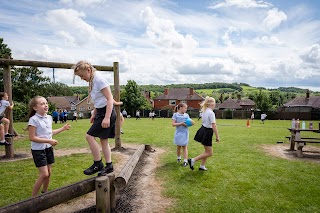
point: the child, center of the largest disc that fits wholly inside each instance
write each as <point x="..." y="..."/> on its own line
<point x="40" y="135"/>
<point x="103" y="117"/>
<point x="181" y="135"/>
<point x="2" y="138"/>
<point x="263" y="117"/>
<point x="4" y="104"/>
<point x="205" y="133"/>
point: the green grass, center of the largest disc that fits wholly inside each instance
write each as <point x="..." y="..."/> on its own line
<point x="241" y="176"/>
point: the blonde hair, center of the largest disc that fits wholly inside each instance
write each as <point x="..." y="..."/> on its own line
<point x="207" y="101"/>
<point x="80" y="67"/>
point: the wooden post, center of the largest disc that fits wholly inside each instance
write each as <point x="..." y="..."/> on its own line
<point x="8" y="89"/>
<point x="117" y="98"/>
<point x="102" y="195"/>
<point x="121" y="181"/>
<point x="111" y="177"/>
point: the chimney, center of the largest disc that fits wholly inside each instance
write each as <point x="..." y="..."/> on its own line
<point x="166" y="91"/>
<point x="191" y="91"/>
<point x="308" y="94"/>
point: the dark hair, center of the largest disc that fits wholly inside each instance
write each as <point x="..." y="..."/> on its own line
<point x="2" y="94"/>
<point x="179" y="106"/>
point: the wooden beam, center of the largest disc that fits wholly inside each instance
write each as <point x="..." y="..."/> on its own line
<point x="52" y="198"/>
<point x="117" y="98"/>
<point x="7" y="84"/>
<point x="122" y="179"/>
<point x="12" y="62"/>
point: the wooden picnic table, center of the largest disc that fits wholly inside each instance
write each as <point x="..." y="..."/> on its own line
<point x="296" y="138"/>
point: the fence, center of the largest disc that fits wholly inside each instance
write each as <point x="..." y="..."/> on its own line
<point x="240" y="114"/>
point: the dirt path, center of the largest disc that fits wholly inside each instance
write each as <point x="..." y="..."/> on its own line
<point x="147" y="197"/>
<point x="310" y="153"/>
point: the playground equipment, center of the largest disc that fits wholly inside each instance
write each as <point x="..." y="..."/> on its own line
<point x="6" y="63"/>
<point x="105" y="187"/>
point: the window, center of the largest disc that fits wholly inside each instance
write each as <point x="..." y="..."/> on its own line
<point x="82" y="109"/>
<point x="172" y="102"/>
<point x="89" y="108"/>
<point x="183" y="101"/>
<point x="73" y="107"/>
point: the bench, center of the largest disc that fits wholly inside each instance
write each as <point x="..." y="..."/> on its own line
<point x="303" y="138"/>
<point x="303" y="142"/>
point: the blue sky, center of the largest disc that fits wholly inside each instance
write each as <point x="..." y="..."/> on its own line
<point x="262" y="43"/>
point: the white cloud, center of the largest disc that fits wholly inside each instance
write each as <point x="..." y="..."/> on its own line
<point x="312" y="55"/>
<point x="241" y="4"/>
<point x="274" y="18"/>
<point x="73" y="28"/>
<point x="163" y="34"/>
<point x="82" y="3"/>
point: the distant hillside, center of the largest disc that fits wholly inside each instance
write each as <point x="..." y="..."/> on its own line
<point x="209" y="89"/>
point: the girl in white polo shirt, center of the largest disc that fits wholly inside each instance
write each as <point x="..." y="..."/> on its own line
<point x="103" y="118"/>
<point x="40" y="135"/>
<point x="205" y="133"/>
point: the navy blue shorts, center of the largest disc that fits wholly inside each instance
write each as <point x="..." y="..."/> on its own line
<point x="43" y="157"/>
<point x="96" y="130"/>
<point x="204" y="136"/>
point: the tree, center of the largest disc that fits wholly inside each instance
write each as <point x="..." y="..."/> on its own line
<point x="4" y="52"/>
<point x="262" y="101"/>
<point x="132" y="97"/>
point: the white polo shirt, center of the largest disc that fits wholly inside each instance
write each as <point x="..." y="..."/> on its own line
<point x="208" y="118"/>
<point x="43" y="126"/>
<point x="3" y="105"/>
<point x="99" y="83"/>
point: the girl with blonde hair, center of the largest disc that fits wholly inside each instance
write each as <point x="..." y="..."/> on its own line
<point x="205" y="133"/>
<point x="103" y="118"/>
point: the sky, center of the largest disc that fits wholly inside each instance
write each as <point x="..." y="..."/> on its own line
<point x="269" y="44"/>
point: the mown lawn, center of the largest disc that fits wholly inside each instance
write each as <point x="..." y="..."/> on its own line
<point x="241" y="176"/>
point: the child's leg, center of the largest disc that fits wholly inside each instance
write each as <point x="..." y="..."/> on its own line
<point x="185" y="153"/>
<point x="106" y="150"/>
<point x="6" y="122"/>
<point x="94" y="147"/>
<point x="46" y="181"/>
<point x="43" y="175"/>
<point x="2" y="133"/>
<point x="207" y="153"/>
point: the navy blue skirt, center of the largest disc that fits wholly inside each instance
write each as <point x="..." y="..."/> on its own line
<point x="204" y="136"/>
<point x="96" y="130"/>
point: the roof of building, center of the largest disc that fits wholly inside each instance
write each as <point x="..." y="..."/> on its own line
<point x="229" y="104"/>
<point x="312" y="101"/>
<point x="180" y="94"/>
<point x="63" y="102"/>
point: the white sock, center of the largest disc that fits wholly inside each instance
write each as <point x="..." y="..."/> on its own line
<point x="2" y="141"/>
<point x="185" y="160"/>
<point x="192" y="161"/>
<point x="179" y="157"/>
<point x="202" y="166"/>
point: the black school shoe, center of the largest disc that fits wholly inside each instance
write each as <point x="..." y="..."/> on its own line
<point x="8" y="135"/>
<point x="189" y="162"/>
<point x="5" y="143"/>
<point x="106" y="170"/>
<point x="96" y="167"/>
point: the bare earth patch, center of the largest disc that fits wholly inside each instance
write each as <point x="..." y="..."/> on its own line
<point x="147" y="197"/>
<point x="310" y="153"/>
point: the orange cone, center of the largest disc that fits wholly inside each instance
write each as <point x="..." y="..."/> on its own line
<point x="248" y="123"/>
